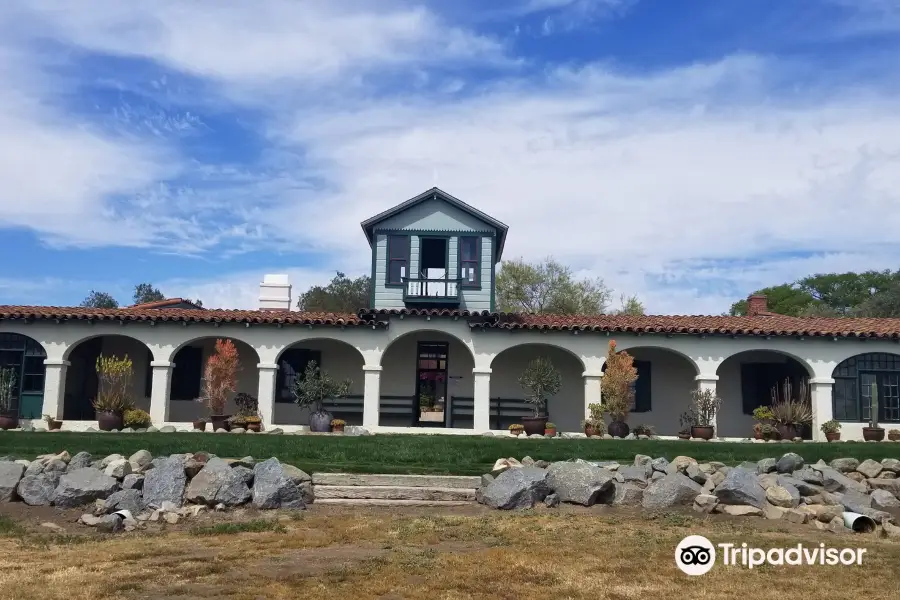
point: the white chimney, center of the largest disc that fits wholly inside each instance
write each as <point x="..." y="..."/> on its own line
<point x="275" y="293"/>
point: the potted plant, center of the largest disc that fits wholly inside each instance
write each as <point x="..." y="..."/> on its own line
<point x="248" y="408"/>
<point x="550" y="430"/>
<point x="200" y="424"/>
<point x="769" y="432"/>
<point x="541" y="381"/>
<point x="313" y="389"/>
<point x="516" y="429"/>
<point x="594" y="424"/>
<point x="706" y="403"/>
<point x="137" y="418"/>
<point x="618" y="389"/>
<point x="52" y="424"/>
<point x="643" y="429"/>
<point x="893" y="435"/>
<point x="220" y="380"/>
<point x="684" y="434"/>
<point x="686" y="420"/>
<point x="254" y="423"/>
<point x="790" y="414"/>
<point x="9" y="415"/>
<point x="873" y="433"/>
<point x="832" y="430"/>
<point x="237" y="422"/>
<point x="337" y="425"/>
<point x="113" y="391"/>
<point x="762" y="415"/>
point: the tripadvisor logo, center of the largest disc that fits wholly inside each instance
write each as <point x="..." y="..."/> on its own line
<point x="696" y="555"/>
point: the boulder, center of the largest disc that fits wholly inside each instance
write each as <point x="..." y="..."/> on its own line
<point x="118" y="468"/>
<point x="796" y="516"/>
<point x="627" y="494"/>
<point x="165" y="482"/>
<point x="773" y="512"/>
<point x="56" y="465"/>
<point x="741" y="487"/>
<point x="891" y="531"/>
<point x="693" y="471"/>
<point x="787" y="483"/>
<point x="83" y="486"/>
<point x="140" y="461"/>
<point x="642" y="460"/>
<point x="192" y="466"/>
<point x="551" y="501"/>
<point x="133" y="482"/>
<point x="705" y="503"/>
<point x="10" y="475"/>
<point x="888" y="485"/>
<point x="659" y="464"/>
<point x="129" y="500"/>
<point x="766" y="465"/>
<point x="637" y="474"/>
<point x="580" y="483"/>
<point x="35" y="467"/>
<point x="828" y="512"/>
<point x="884" y="500"/>
<point x="486" y="480"/>
<point x="106" y="461"/>
<point x="891" y="464"/>
<point x="789" y="463"/>
<point x="870" y="468"/>
<point x="679" y="464"/>
<point x="836" y="481"/>
<point x="296" y="475"/>
<point x="517" y="489"/>
<point x="110" y="524"/>
<point x="217" y="483"/>
<point x="836" y="525"/>
<point x="809" y="475"/>
<point x="272" y="488"/>
<point x="779" y="496"/>
<point x="674" y="489"/>
<point x="845" y="465"/>
<point x="740" y="510"/>
<point x="307" y="492"/>
<point x="37" y="490"/>
<point x="245" y="473"/>
<point x="768" y="480"/>
<point x="803" y="487"/>
<point x="862" y="504"/>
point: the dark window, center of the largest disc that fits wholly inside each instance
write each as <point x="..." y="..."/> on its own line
<point x="187" y="374"/>
<point x="854" y="380"/>
<point x="758" y="379"/>
<point x="291" y="366"/>
<point x="33" y="375"/>
<point x="469" y="261"/>
<point x="398" y="258"/>
<point x="148" y="376"/>
<point x="641" y="386"/>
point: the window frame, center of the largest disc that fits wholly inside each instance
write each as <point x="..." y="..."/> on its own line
<point x="848" y="385"/>
<point x="183" y="375"/>
<point x="283" y="393"/>
<point x="392" y="240"/>
<point x="476" y="262"/>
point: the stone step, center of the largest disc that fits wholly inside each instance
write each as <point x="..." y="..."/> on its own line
<point x="432" y="481"/>
<point x="394" y="492"/>
<point x="376" y="502"/>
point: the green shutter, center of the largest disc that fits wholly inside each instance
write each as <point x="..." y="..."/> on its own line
<point x="642" y="399"/>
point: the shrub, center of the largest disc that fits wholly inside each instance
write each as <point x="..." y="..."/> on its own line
<point x="832" y="426"/>
<point x="788" y="409"/>
<point x="7" y="389"/>
<point x="137" y="418"/>
<point x="705" y="405"/>
<point x="237" y="420"/>
<point x="763" y="413"/>
<point x="220" y="376"/>
<point x="618" y="383"/>
<point x="338" y="422"/>
<point x="550" y="426"/>
<point x="113" y="384"/>
<point x="516" y="427"/>
<point x="247" y="404"/>
<point x="642" y="429"/>
<point x="541" y="381"/>
<point x="316" y="386"/>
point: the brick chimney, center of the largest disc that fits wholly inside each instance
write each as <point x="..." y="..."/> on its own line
<point x="275" y="293"/>
<point x="757" y="305"/>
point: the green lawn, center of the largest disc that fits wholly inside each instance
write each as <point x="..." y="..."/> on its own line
<point x="425" y="454"/>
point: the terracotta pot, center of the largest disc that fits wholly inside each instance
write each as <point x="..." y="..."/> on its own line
<point x="320" y="421"/>
<point x="757" y="435"/>
<point x="9" y="421"/>
<point x="618" y="429"/>
<point x="535" y="425"/>
<point x="54" y="425"/>
<point x="337" y="428"/>
<point x="833" y="436"/>
<point x="220" y="422"/>
<point x="873" y="434"/>
<point x="550" y="432"/>
<point x="894" y="437"/>
<point x="684" y="436"/>
<point x="257" y="427"/>
<point x="200" y="425"/>
<point x="704" y="432"/>
<point x="107" y="421"/>
<point x="590" y="430"/>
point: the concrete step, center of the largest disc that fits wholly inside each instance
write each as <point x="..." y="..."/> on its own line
<point x="394" y="492"/>
<point x="376" y="502"/>
<point x="431" y="481"/>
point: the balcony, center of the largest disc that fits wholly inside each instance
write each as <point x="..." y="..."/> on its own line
<point x="442" y="290"/>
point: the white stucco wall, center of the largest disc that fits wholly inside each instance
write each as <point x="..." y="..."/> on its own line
<point x="671" y="383"/>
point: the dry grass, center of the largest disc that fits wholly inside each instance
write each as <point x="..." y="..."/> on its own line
<point x="388" y="554"/>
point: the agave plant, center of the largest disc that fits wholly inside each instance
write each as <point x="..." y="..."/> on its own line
<point x="788" y="409"/>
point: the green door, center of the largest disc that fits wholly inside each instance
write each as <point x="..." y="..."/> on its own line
<point x="26" y="357"/>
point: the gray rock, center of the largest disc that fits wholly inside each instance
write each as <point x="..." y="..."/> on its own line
<point x="217" y="483"/>
<point x="781" y="497"/>
<point x="140" y="461"/>
<point x="740" y="510"/>
<point x="296" y="475"/>
<point x="245" y="473"/>
<point x="133" y="482"/>
<point x="693" y="471"/>
<point x="884" y="500"/>
<point x="891" y="464"/>
<point x="35" y="467"/>
<point x="276" y="431"/>
<point x="637" y="474"/>
<point x="552" y="500"/>
<point x="129" y="500"/>
<point x="167" y="429"/>
<point x="862" y="504"/>
<point x="165" y="482"/>
<point x="517" y="489"/>
<point x="748" y="466"/>
<point x="118" y="468"/>
<point x="789" y="463"/>
<point x="79" y="461"/>
<point x="766" y="465"/>
<point x="835" y="481"/>
<point x="836" y="525"/>
<point x="657" y="475"/>
<point x="307" y="492"/>
<point x="37" y="490"/>
<point x="56" y="465"/>
<point x="152" y="429"/>
<point x="486" y="480"/>
<point x="705" y="503"/>
<point x="809" y="475"/>
<point x="527" y="461"/>
<point x="845" y="465"/>
<point x="10" y="475"/>
<point x="741" y="487"/>
<point x="889" y="485"/>
<point x="107" y="460"/>
<point x="870" y="468"/>
<point x="110" y="524"/>
<point x="674" y="489"/>
<point x="660" y="464"/>
<point x="83" y="486"/>
<point x="802" y="487"/>
<point x="580" y="483"/>
<point x="541" y="464"/>
<point x="627" y="494"/>
<point x="679" y="464"/>
<point x="642" y="460"/>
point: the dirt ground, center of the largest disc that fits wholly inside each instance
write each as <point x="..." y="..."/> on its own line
<point x="397" y="553"/>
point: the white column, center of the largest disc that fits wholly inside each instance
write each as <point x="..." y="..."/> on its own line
<point x="481" y="405"/>
<point x="371" y="395"/>
<point x="159" y="392"/>
<point x="708" y="382"/>
<point x="268" y="376"/>
<point x="593" y="384"/>
<point x="820" y="389"/>
<point x="55" y="387"/>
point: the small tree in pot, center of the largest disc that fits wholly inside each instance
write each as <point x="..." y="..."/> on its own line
<point x="790" y="413"/>
<point x="9" y="417"/>
<point x="541" y="381"/>
<point x="617" y="390"/>
<point x="220" y="380"/>
<point x="873" y="433"/>
<point x="313" y="389"/>
<point x="113" y="391"/>
<point x="704" y="406"/>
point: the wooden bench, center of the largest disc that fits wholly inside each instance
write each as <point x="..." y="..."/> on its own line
<point x="504" y="412"/>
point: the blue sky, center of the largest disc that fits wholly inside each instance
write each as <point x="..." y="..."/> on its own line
<point x="686" y="152"/>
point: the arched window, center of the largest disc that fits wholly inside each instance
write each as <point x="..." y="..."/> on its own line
<point x="854" y="380"/>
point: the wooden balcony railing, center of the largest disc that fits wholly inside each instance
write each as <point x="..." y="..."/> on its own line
<point x="422" y="289"/>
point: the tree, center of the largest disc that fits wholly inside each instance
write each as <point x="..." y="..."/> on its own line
<point x="630" y="306"/>
<point x="885" y="303"/>
<point x="784" y="299"/>
<point x="342" y="295"/>
<point x="99" y="300"/>
<point x="145" y="292"/>
<point x="548" y="287"/>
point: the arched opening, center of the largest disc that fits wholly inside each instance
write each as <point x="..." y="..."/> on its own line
<point x="508" y="405"/>
<point x="662" y="391"/>
<point x="81" y="376"/>
<point x="745" y="382"/>
<point x="854" y="380"/>
<point x="337" y="358"/>
<point x="25" y="357"/>
<point x="427" y="381"/>
<point x="187" y="378"/>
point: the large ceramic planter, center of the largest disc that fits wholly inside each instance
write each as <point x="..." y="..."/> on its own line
<point x="255" y="427"/>
<point x="618" y="429"/>
<point x="704" y="432"/>
<point x="9" y="421"/>
<point x="200" y="425"/>
<point x="54" y="425"/>
<point x="833" y="436"/>
<point x="535" y="425"/>
<point x="220" y="422"/>
<point x="320" y="422"/>
<point x="590" y="430"/>
<point x="108" y="421"/>
<point x="788" y="432"/>
<point x="550" y="432"/>
<point x="894" y="437"/>
<point x="684" y="436"/>
<point x="873" y="434"/>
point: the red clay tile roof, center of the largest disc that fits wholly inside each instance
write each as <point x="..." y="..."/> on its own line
<point x="167" y="303"/>
<point x="198" y="315"/>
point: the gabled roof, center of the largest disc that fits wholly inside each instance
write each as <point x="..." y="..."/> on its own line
<point x="438" y="194"/>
